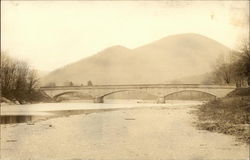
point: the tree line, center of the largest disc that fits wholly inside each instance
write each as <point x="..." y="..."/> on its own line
<point x="68" y="83"/>
<point x="18" y="80"/>
<point x="233" y="68"/>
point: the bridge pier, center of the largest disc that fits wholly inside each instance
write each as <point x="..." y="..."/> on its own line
<point x="160" y="100"/>
<point x="98" y="100"/>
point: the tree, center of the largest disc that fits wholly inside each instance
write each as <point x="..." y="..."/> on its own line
<point x="244" y="61"/>
<point x="235" y="68"/>
<point x="17" y="79"/>
<point x="90" y="83"/>
<point x="241" y="67"/>
<point x="51" y="84"/>
<point x="32" y="80"/>
<point x="223" y="72"/>
<point x="68" y="83"/>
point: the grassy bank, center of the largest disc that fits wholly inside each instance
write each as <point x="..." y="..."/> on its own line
<point x="229" y="115"/>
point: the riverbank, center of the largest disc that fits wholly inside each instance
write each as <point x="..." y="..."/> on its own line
<point x="127" y="131"/>
<point x="37" y="97"/>
<point x="229" y="115"/>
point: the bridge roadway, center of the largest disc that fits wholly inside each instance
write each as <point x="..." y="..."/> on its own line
<point x="98" y="92"/>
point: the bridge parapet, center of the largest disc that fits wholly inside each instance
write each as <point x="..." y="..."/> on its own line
<point x="139" y="86"/>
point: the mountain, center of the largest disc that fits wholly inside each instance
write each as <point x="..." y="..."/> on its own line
<point x="42" y="73"/>
<point x="161" y="61"/>
<point x="205" y="78"/>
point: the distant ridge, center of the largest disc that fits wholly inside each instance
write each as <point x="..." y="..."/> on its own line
<point x="172" y="57"/>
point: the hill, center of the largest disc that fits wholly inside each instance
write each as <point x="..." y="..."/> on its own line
<point x="172" y="57"/>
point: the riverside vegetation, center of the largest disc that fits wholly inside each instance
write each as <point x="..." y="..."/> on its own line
<point x="228" y="115"/>
<point x="231" y="114"/>
<point x="19" y="81"/>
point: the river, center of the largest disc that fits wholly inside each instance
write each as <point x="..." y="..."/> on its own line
<point x="115" y="130"/>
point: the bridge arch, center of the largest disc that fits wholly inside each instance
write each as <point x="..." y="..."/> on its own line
<point x="70" y="92"/>
<point x="106" y="94"/>
<point x="140" y="93"/>
<point x="192" y="93"/>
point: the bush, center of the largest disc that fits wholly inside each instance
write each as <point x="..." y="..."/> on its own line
<point x="18" y="80"/>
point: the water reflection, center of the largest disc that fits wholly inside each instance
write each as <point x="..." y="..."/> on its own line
<point x="31" y="119"/>
<point x="7" y="119"/>
<point x="36" y="112"/>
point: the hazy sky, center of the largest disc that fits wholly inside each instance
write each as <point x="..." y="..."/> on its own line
<point x="52" y="34"/>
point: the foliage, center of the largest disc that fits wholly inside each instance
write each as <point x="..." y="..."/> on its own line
<point x="223" y="70"/>
<point x="239" y="92"/>
<point x="18" y="80"/>
<point x="242" y="66"/>
<point x="50" y="84"/>
<point x="90" y="83"/>
<point x="234" y="69"/>
<point x="67" y="83"/>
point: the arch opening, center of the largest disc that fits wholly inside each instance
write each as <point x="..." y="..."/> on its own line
<point x="129" y="96"/>
<point x="72" y="96"/>
<point x="190" y="95"/>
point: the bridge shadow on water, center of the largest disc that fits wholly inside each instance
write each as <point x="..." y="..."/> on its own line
<point x="32" y="119"/>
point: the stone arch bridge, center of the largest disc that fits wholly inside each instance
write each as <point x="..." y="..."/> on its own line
<point x="98" y="92"/>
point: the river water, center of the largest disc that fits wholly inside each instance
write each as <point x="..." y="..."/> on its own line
<point x="115" y="130"/>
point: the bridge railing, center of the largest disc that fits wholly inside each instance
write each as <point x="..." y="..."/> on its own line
<point x="141" y="86"/>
